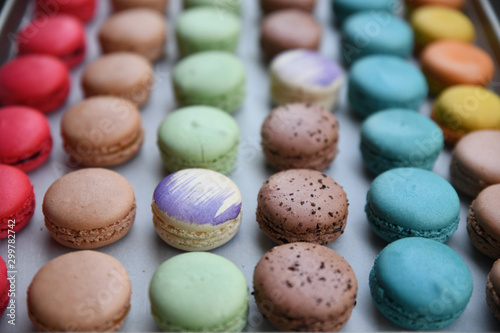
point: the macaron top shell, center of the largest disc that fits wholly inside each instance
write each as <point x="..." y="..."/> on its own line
<point x="15" y="189"/>
<point x="88" y="199"/>
<point x="198" y="196"/>
<point x="487" y="210"/>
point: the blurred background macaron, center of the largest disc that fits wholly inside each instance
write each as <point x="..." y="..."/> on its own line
<point x="269" y="6"/>
<point x="233" y="6"/>
<point x="82" y="9"/>
<point x="342" y="9"/>
<point x="158" y="5"/>
<point x="454" y="4"/>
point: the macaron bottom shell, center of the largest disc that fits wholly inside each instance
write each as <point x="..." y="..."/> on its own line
<point x="19" y="219"/>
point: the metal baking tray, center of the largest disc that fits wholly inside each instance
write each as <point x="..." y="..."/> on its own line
<point x="142" y="251"/>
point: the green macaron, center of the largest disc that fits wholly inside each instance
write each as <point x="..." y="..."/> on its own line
<point x="214" y="78"/>
<point x="199" y="292"/>
<point x="233" y="6"/>
<point x="199" y="137"/>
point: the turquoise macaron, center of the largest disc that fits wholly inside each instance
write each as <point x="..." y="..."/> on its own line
<point x="366" y="33"/>
<point x="420" y="284"/>
<point x="342" y="9"/>
<point x="379" y="82"/>
<point x="412" y="202"/>
<point x="399" y="138"/>
<point x="214" y="78"/>
<point x="199" y="292"/>
<point x="199" y="137"/>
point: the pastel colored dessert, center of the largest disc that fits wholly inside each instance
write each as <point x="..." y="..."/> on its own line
<point x="233" y="6"/>
<point x="25" y="137"/>
<point x="301" y="205"/>
<point x="114" y="124"/>
<point x="199" y="292"/>
<point x="38" y="81"/>
<point x="138" y="30"/>
<point x="82" y="9"/>
<point x="342" y="9"/>
<point x="432" y="23"/>
<point x="196" y="209"/>
<point x="305" y="287"/>
<point x="17" y="198"/>
<point x="122" y="74"/>
<point x="199" y="137"/>
<point x="158" y="5"/>
<point x="213" y="78"/>
<point x="412" y="202"/>
<point x="493" y="289"/>
<point x="4" y="286"/>
<point x="82" y="291"/>
<point x="269" y="6"/>
<point x="62" y="36"/>
<point x="205" y="28"/>
<point x="300" y="136"/>
<point x="305" y="76"/>
<point x="89" y="208"/>
<point x="463" y="109"/>
<point x="447" y="63"/>
<point x="396" y="138"/>
<point x="483" y="222"/>
<point x="475" y="162"/>
<point x="394" y="37"/>
<point x="380" y="82"/>
<point x="289" y="29"/>
<point x="409" y="279"/>
<point x="455" y="4"/>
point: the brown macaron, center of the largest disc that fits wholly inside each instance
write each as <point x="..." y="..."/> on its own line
<point x="138" y="30"/>
<point x="83" y="291"/>
<point x="305" y="287"/>
<point x="158" y="5"/>
<point x="300" y="136"/>
<point x="455" y="4"/>
<point x="493" y="289"/>
<point x="299" y="205"/>
<point x="122" y="74"/>
<point x="102" y="131"/>
<point x="269" y="6"/>
<point x="289" y="29"/>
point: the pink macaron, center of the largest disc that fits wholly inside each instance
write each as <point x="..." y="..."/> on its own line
<point x="82" y="9"/>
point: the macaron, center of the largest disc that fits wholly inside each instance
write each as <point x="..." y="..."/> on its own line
<point x="447" y="63"/>
<point x="17" y="198"/>
<point x="420" y="284"/>
<point x="205" y="28"/>
<point x="196" y="209"/>
<point x="199" y="292"/>
<point x="412" y="202"/>
<point x="199" y="137"/>
<point x="475" y="162"/>
<point x="82" y="291"/>
<point x="82" y="9"/>
<point x="300" y="205"/>
<point x="89" y="208"/>
<point x="483" y="221"/>
<point x="342" y="9"/>
<point x="4" y="286"/>
<point x="269" y="6"/>
<point x="455" y="4"/>
<point x="305" y="76"/>
<point x="463" y="109"/>
<point x="62" y="36"/>
<point x="300" y="136"/>
<point x="289" y="29"/>
<point x="396" y="138"/>
<point x="493" y="289"/>
<point x="233" y="6"/>
<point x="380" y="82"/>
<point x="305" y="287"/>
<point x="25" y="138"/>
<point x="122" y="74"/>
<point x="432" y="23"/>
<point x="366" y="33"/>
<point x="35" y="80"/>
<point x="138" y="30"/>
<point x="102" y="131"/>
<point x="158" y="5"/>
<point x="212" y="78"/>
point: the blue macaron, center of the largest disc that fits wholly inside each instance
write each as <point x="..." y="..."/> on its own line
<point x="420" y="284"/>
<point x="344" y="8"/>
<point x="400" y="138"/>
<point x="412" y="202"/>
<point x="366" y="33"/>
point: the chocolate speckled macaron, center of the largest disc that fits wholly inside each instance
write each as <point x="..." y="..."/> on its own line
<point x="305" y="287"/>
<point x="301" y="205"/>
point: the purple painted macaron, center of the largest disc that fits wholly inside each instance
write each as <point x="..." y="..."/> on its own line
<point x="305" y="76"/>
<point x="196" y="209"/>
